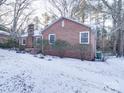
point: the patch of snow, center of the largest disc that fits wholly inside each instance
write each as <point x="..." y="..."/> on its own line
<point x="24" y="73"/>
<point x="4" y="33"/>
<point x="24" y="35"/>
<point x="36" y="33"/>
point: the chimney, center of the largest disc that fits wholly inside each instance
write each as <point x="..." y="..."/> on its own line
<point x="31" y="30"/>
<point x="30" y="38"/>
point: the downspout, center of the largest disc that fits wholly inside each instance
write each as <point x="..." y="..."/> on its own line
<point x="42" y="43"/>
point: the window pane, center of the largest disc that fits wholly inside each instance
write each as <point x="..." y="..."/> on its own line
<point x="84" y="40"/>
<point x="24" y="41"/>
<point x="38" y="40"/>
<point x="52" y="38"/>
<point x="84" y="37"/>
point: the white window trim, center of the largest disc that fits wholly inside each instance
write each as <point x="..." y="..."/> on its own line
<point x="88" y="37"/>
<point x="63" y="23"/>
<point x="37" y="38"/>
<point x="49" y="37"/>
<point x="22" y="41"/>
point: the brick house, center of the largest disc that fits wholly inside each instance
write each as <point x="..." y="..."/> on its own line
<point x="4" y="36"/>
<point x="67" y="30"/>
<point x="72" y="32"/>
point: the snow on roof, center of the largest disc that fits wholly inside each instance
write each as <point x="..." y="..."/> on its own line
<point x="24" y="35"/>
<point x="4" y="33"/>
<point x="36" y="33"/>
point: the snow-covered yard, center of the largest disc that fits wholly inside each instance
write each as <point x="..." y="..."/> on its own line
<point x="24" y="73"/>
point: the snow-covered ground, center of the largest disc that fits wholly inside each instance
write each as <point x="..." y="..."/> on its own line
<point x="24" y="73"/>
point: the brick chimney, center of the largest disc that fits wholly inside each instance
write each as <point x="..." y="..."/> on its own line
<point x="31" y="30"/>
<point x="30" y="36"/>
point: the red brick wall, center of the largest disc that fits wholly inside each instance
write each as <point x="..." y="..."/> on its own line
<point x="70" y="33"/>
<point x="29" y="43"/>
<point x="71" y="54"/>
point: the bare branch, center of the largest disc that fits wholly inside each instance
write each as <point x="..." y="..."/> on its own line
<point x="5" y="13"/>
<point x="105" y="2"/>
<point x="2" y="2"/>
<point x="19" y="7"/>
<point x="24" y="20"/>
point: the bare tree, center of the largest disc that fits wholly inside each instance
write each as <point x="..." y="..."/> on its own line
<point x="114" y="9"/>
<point x="19" y="7"/>
<point x="23" y="22"/>
<point x="65" y="8"/>
<point x="117" y="12"/>
<point x="78" y="10"/>
<point x="75" y="9"/>
<point x="47" y="18"/>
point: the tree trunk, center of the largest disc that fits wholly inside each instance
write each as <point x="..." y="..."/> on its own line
<point x="14" y="26"/>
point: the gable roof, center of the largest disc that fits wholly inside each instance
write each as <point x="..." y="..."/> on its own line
<point x="61" y="19"/>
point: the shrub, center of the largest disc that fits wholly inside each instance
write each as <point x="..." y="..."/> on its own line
<point x="21" y="48"/>
<point x="83" y="49"/>
<point x="11" y="43"/>
<point x="2" y="45"/>
<point x="42" y="45"/>
<point x="60" y="46"/>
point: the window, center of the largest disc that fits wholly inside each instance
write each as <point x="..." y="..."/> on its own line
<point x="52" y="38"/>
<point x="23" y="41"/>
<point x="38" y="39"/>
<point x="84" y="37"/>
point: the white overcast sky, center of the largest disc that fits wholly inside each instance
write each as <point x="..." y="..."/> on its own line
<point x="40" y="6"/>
